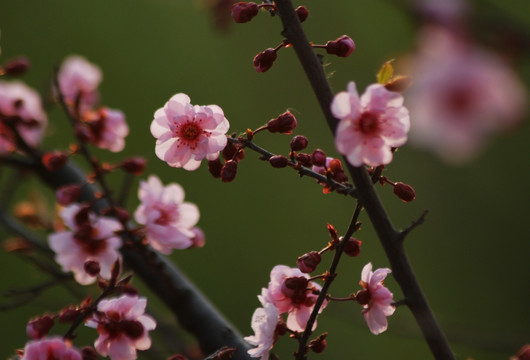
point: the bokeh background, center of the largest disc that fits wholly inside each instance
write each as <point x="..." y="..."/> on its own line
<point x="471" y="255"/>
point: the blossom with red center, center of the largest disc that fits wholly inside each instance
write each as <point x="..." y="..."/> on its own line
<point x="169" y="221"/>
<point x="187" y="133"/>
<point x="290" y="292"/>
<point x="53" y="348"/>
<point x="377" y="300"/>
<point x="22" y="107"/>
<point x="122" y="326"/>
<point x="90" y="238"/>
<point x="264" y="322"/>
<point x="107" y="128"/>
<point x="79" y="78"/>
<point x="370" y="125"/>
<point x="461" y="96"/>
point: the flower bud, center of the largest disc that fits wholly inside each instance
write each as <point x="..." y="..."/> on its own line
<point x="284" y="123"/>
<point x="68" y="194"/>
<point x="89" y="353"/>
<point x="299" y="142"/>
<point x="523" y="353"/>
<point x="177" y="357"/>
<point x="16" y="66"/>
<point x="319" y="344"/>
<point x="278" y="161"/>
<point x="318" y="158"/>
<point x="308" y="262"/>
<point x="304" y="159"/>
<point x="333" y="233"/>
<point x="243" y="12"/>
<point x="54" y="161"/>
<point x="229" y="171"/>
<point x="302" y="13"/>
<point x="232" y="150"/>
<point x="39" y="327"/>
<point x="92" y="267"/>
<point x="343" y="46"/>
<point x="405" y="192"/>
<point x="68" y="314"/>
<point x="264" y="60"/>
<point x="134" y="165"/>
<point x="198" y="240"/>
<point x="214" y="167"/>
<point x="335" y="166"/>
<point x="352" y="247"/>
<point x="363" y="297"/>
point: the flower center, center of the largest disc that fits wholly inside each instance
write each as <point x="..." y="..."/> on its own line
<point x="369" y="123"/>
<point x="189" y="131"/>
<point x="168" y="214"/>
<point x="86" y="237"/>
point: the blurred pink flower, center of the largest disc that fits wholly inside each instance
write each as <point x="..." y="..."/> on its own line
<point x="108" y="128"/>
<point x="122" y="327"/>
<point x="369" y="125"/>
<point x="91" y="238"/>
<point x="379" y="300"/>
<point x="264" y="321"/>
<point x="21" y="105"/>
<point x="168" y="220"/>
<point x="186" y="134"/>
<point x="287" y="291"/>
<point x="53" y="348"/>
<point x="460" y="97"/>
<point x="78" y="77"/>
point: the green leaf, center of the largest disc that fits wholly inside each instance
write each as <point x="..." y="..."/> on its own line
<point x="385" y="73"/>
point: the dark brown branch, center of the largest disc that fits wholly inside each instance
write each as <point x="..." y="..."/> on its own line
<point x="390" y="238"/>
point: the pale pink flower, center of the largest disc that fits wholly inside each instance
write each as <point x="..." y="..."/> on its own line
<point x="90" y="238"/>
<point x="53" y="348"/>
<point x="264" y="321"/>
<point x="461" y="96"/>
<point x="122" y="327"/>
<point x="21" y="105"/>
<point x="186" y="134"/>
<point x="78" y="77"/>
<point x="168" y="220"/>
<point x="292" y="297"/>
<point x="369" y="125"/>
<point x="380" y="302"/>
<point x="108" y="128"/>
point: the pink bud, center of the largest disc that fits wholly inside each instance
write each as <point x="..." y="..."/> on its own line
<point x="243" y="12"/>
<point x="264" y="60"/>
<point x="308" y="262"/>
<point x="342" y="47"/>
<point x="198" y="240"/>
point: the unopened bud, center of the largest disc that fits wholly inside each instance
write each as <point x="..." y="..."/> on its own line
<point x="335" y="166"/>
<point x="343" y="46"/>
<point x="229" y="171"/>
<point x="68" y="194"/>
<point x="352" y="247"/>
<point x="302" y="13"/>
<point x="16" y="66"/>
<point x="214" y="167"/>
<point x="243" y="12"/>
<point x="134" y="165"/>
<point x="54" y="161"/>
<point x="318" y="158"/>
<point x="264" y="60"/>
<point x="523" y="353"/>
<point x="177" y="357"/>
<point x="308" y="262"/>
<point x="198" y="240"/>
<point x="319" y="344"/>
<point x="232" y="152"/>
<point x="284" y="123"/>
<point x="299" y="142"/>
<point x="68" y="314"/>
<point x="92" y="267"/>
<point x="39" y="327"/>
<point x="304" y="159"/>
<point x="278" y="161"/>
<point x="333" y="233"/>
<point x="405" y="192"/>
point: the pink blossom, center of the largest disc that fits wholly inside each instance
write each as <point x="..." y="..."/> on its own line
<point x="78" y="77"/>
<point x="168" y="220"/>
<point x="53" y="348"/>
<point x="378" y="300"/>
<point x="461" y="96"/>
<point x="21" y="105"/>
<point x="369" y="125"/>
<point x="264" y="321"/>
<point x="187" y="133"/>
<point x="90" y="238"/>
<point x="122" y="327"/>
<point x="107" y="128"/>
<point x="287" y="290"/>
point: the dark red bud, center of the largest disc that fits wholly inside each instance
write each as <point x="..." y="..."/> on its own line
<point x="82" y="218"/>
<point x="229" y="171"/>
<point x="319" y="344"/>
<point x="302" y="13"/>
<point x="68" y="194"/>
<point x="363" y="297"/>
<point x="318" y="157"/>
<point x="54" y="161"/>
<point x="336" y="166"/>
<point x="39" y="327"/>
<point x="405" y="192"/>
<point x="278" y="161"/>
<point x="92" y="267"/>
<point x="343" y="46"/>
<point x="523" y="353"/>
<point x="233" y="152"/>
<point x="264" y="60"/>
<point x="352" y="247"/>
<point x="88" y="353"/>
<point x="129" y="290"/>
<point x="16" y="66"/>
<point x="134" y="165"/>
<point x="284" y="123"/>
<point x="299" y="142"/>
<point x="68" y="314"/>
<point x="214" y="167"/>
<point x="177" y="357"/>
<point x="304" y="159"/>
<point x="307" y="263"/>
<point x="333" y="233"/>
<point x="243" y="12"/>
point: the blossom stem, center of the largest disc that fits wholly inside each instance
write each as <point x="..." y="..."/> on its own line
<point x="349" y="298"/>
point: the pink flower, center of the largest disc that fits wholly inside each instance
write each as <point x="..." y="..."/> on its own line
<point x="168" y="220"/>
<point x="54" y="348"/>
<point x="461" y="96"/>
<point x="264" y="321"/>
<point x="122" y="327"/>
<point x="186" y="134"/>
<point x="107" y="128"/>
<point x="22" y="106"/>
<point x="91" y="238"/>
<point x="376" y="299"/>
<point x="78" y="77"/>
<point x="287" y="291"/>
<point x="370" y="125"/>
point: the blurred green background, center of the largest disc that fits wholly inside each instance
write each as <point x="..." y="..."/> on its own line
<point x="471" y="255"/>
